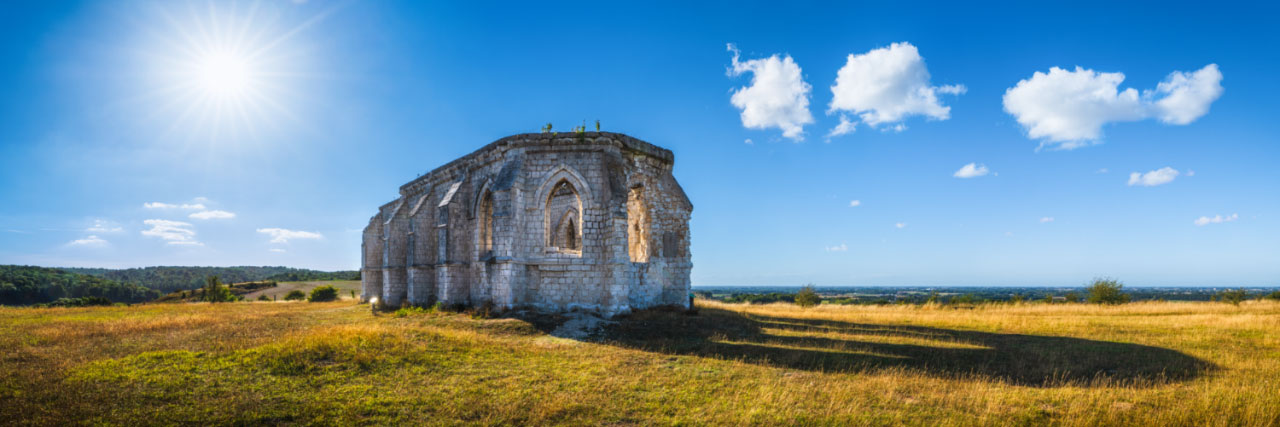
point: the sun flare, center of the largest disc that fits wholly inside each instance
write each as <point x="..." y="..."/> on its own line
<point x="223" y="74"/>
<point x="228" y="73"/>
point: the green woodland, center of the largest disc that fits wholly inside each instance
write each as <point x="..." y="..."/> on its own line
<point x="30" y="285"/>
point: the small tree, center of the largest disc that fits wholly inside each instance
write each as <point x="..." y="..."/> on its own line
<point x="1072" y="297"/>
<point x="215" y="291"/>
<point x="1107" y="291"/>
<point x="807" y="297"/>
<point x="324" y="293"/>
<point x="263" y="297"/>
<point x="1274" y="295"/>
<point x="295" y="295"/>
<point x="1233" y="297"/>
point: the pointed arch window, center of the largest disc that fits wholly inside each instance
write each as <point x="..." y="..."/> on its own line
<point x="637" y="225"/>
<point x="564" y="218"/>
<point x="485" y="218"/>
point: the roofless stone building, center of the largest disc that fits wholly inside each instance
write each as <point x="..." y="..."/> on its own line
<point x="554" y="222"/>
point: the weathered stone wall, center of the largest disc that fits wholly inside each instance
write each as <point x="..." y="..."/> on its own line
<point x="590" y="220"/>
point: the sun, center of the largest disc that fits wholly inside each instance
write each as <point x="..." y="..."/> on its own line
<point x="226" y="74"/>
<point x="223" y="75"/>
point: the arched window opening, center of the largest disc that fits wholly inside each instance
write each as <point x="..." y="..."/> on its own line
<point x="637" y="226"/>
<point x="486" y="224"/>
<point x="564" y="218"/>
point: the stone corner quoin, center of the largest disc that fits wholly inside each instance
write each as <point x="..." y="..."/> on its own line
<point x="589" y="221"/>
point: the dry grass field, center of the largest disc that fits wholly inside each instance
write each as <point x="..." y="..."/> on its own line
<point x="335" y="363"/>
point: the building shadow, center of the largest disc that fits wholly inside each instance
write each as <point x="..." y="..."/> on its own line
<point x="834" y="346"/>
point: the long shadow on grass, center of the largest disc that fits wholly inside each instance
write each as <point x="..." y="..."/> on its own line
<point x="833" y="346"/>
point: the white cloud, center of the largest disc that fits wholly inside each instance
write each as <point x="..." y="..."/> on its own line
<point x="1153" y="178"/>
<point x="778" y="95"/>
<point x="1103" y="170"/>
<point x="972" y="170"/>
<point x="185" y="206"/>
<point x="280" y="235"/>
<point x="104" y="226"/>
<point x="277" y="250"/>
<point x="838" y="248"/>
<point x="749" y="142"/>
<point x="845" y="126"/>
<point x="1191" y="173"/>
<point x="214" y="214"/>
<point x="855" y="203"/>
<point x="1046" y="219"/>
<point x="173" y="232"/>
<point x="1186" y="96"/>
<point x="1067" y="109"/>
<point x="886" y="86"/>
<point x="91" y="241"/>
<point x="1216" y="219"/>
<point x="900" y="225"/>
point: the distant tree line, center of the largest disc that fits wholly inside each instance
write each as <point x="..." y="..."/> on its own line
<point x="171" y="279"/>
<point x="1102" y="290"/>
<point x="27" y="285"/>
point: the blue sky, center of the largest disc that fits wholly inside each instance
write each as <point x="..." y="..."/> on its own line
<point x="282" y="125"/>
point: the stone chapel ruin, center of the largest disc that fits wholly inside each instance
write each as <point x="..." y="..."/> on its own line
<point x="554" y="222"/>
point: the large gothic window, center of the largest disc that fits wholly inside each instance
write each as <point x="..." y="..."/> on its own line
<point x="564" y="218"/>
<point x="637" y="226"/>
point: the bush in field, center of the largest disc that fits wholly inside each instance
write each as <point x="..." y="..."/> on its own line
<point x="324" y="293"/>
<point x="1233" y="297"/>
<point x="1274" y="295"/>
<point x="263" y="297"/>
<point x="1107" y="291"/>
<point x="1072" y="297"/>
<point x="295" y="295"/>
<point x="807" y="297"/>
<point x="77" y="302"/>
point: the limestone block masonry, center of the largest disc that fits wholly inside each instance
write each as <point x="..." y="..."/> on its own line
<point x="554" y="222"/>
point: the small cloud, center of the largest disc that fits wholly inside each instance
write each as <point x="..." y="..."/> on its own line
<point x="972" y="170"/>
<point x="846" y="126"/>
<point x="185" y="243"/>
<point x="749" y="142"/>
<point x="280" y="235"/>
<point x="777" y="98"/>
<point x="1008" y="234"/>
<point x="184" y="206"/>
<point x="173" y="232"/>
<point x="900" y="225"/>
<point x="1103" y="170"/>
<point x="103" y="226"/>
<point x="91" y="241"/>
<point x="838" y="248"/>
<point x="277" y="250"/>
<point x="214" y="214"/>
<point x="1153" y="178"/>
<point x="1191" y="173"/>
<point x="855" y="203"/>
<point x="1216" y="219"/>
<point x="1046" y="219"/>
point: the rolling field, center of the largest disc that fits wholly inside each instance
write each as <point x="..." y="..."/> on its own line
<point x="335" y="363"/>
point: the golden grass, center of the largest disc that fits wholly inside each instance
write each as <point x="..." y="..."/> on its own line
<point x="333" y="363"/>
